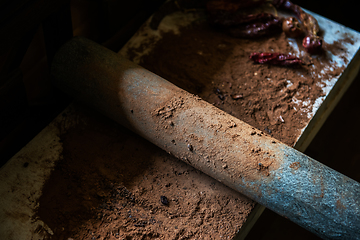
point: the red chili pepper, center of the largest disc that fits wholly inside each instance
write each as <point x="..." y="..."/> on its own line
<point x="225" y="13"/>
<point x="276" y="59"/>
<point x="312" y="42"/>
<point x="247" y="26"/>
<point x="257" y="29"/>
<point x="225" y="19"/>
<point x="292" y="28"/>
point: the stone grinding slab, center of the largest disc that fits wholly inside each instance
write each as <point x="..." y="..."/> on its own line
<point x="182" y="40"/>
<point x="24" y="175"/>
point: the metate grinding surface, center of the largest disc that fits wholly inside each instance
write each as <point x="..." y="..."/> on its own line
<point x="23" y="178"/>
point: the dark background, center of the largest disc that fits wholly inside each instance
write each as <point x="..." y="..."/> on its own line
<point x="31" y="34"/>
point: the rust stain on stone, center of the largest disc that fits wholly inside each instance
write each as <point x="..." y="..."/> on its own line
<point x="295" y="165"/>
<point x="339" y="205"/>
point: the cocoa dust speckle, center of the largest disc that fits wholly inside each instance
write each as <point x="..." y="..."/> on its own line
<point x="295" y="165"/>
<point x="164" y="200"/>
<point x="236" y="96"/>
<point x="190" y="147"/>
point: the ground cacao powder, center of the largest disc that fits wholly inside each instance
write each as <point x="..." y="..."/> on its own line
<point x="110" y="183"/>
<point x="275" y="99"/>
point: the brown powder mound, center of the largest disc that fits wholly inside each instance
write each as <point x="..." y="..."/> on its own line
<point x="217" y="67"/>
<point x="112" y="184"/>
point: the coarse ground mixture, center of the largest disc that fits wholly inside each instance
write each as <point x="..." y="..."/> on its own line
<point x="111" y="184"/>
<point x="277" y="100"/>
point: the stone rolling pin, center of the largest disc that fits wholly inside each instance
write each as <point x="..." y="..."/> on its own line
<point x="275" y="175"/>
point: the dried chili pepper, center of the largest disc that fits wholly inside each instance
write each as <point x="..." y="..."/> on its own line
<point x="235" y="19"/>
<point x="292" y="28"/>
<point x="225" y="13"/>
<point x="258" y="29"/>
<point x="247" y="26"/>
<point x="309" y="22"/>
<point x="276" y="59"/>
<point x="312" y="42"/>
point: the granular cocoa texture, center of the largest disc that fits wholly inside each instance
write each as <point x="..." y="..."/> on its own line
<point x="277" y="100"/>
<point x="112" y="184"/>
